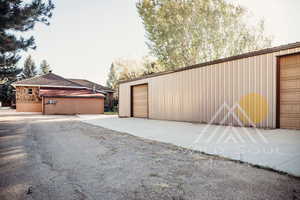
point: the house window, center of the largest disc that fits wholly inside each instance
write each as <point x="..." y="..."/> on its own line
<point x="29" y="91"/>
<point x="51" y="102"/>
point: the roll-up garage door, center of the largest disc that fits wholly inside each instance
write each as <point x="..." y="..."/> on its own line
<point x="289" y="69"/>
<point x="140" y="101"/>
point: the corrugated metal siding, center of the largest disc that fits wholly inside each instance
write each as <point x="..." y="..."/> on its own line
<point x="197" y="94"/>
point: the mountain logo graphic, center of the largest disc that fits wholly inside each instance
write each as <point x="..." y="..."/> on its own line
<point x="225" y="134"/>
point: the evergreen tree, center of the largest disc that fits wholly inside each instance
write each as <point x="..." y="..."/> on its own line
<point x="7" y="93"/>
<point x="112" y="79"/>
<point x="29" y="69"/>
<point x="17" y="17"/>
<point x="44" y="68"/>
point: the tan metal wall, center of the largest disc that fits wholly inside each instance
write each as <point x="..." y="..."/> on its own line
<point x="197" y="94"/>
<point x="73" y="106"/>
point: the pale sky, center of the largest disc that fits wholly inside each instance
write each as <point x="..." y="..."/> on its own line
<point x="86" y="36"/>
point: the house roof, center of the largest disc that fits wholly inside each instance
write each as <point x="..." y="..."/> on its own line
<point x="48" y="80"/>
<point x="91" y="85"/>
<point x="245" y="55"/>
<point x="46" y="92"/>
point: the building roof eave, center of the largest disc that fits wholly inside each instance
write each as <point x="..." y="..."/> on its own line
<point x="48" y="86"/>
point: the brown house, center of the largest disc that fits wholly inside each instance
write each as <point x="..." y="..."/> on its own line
<point x="53" y="94"/>
<point x="108" y="92"/>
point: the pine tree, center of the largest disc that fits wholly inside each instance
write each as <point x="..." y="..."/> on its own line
<point x="17" y="17"/>
<point x="112" y="77"/>
<point x="44" y="68"/>
<point x="29" y="69"/>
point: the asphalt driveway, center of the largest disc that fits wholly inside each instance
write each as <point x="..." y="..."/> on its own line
<point x="59" y="157"/>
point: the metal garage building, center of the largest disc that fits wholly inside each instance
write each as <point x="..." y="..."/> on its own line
<point x="260" y="88"/>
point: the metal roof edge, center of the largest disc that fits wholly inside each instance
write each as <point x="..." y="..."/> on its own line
<point x="231" y="58"/>
<point x="105" y="89"/>
<point x="48" y="86"/>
